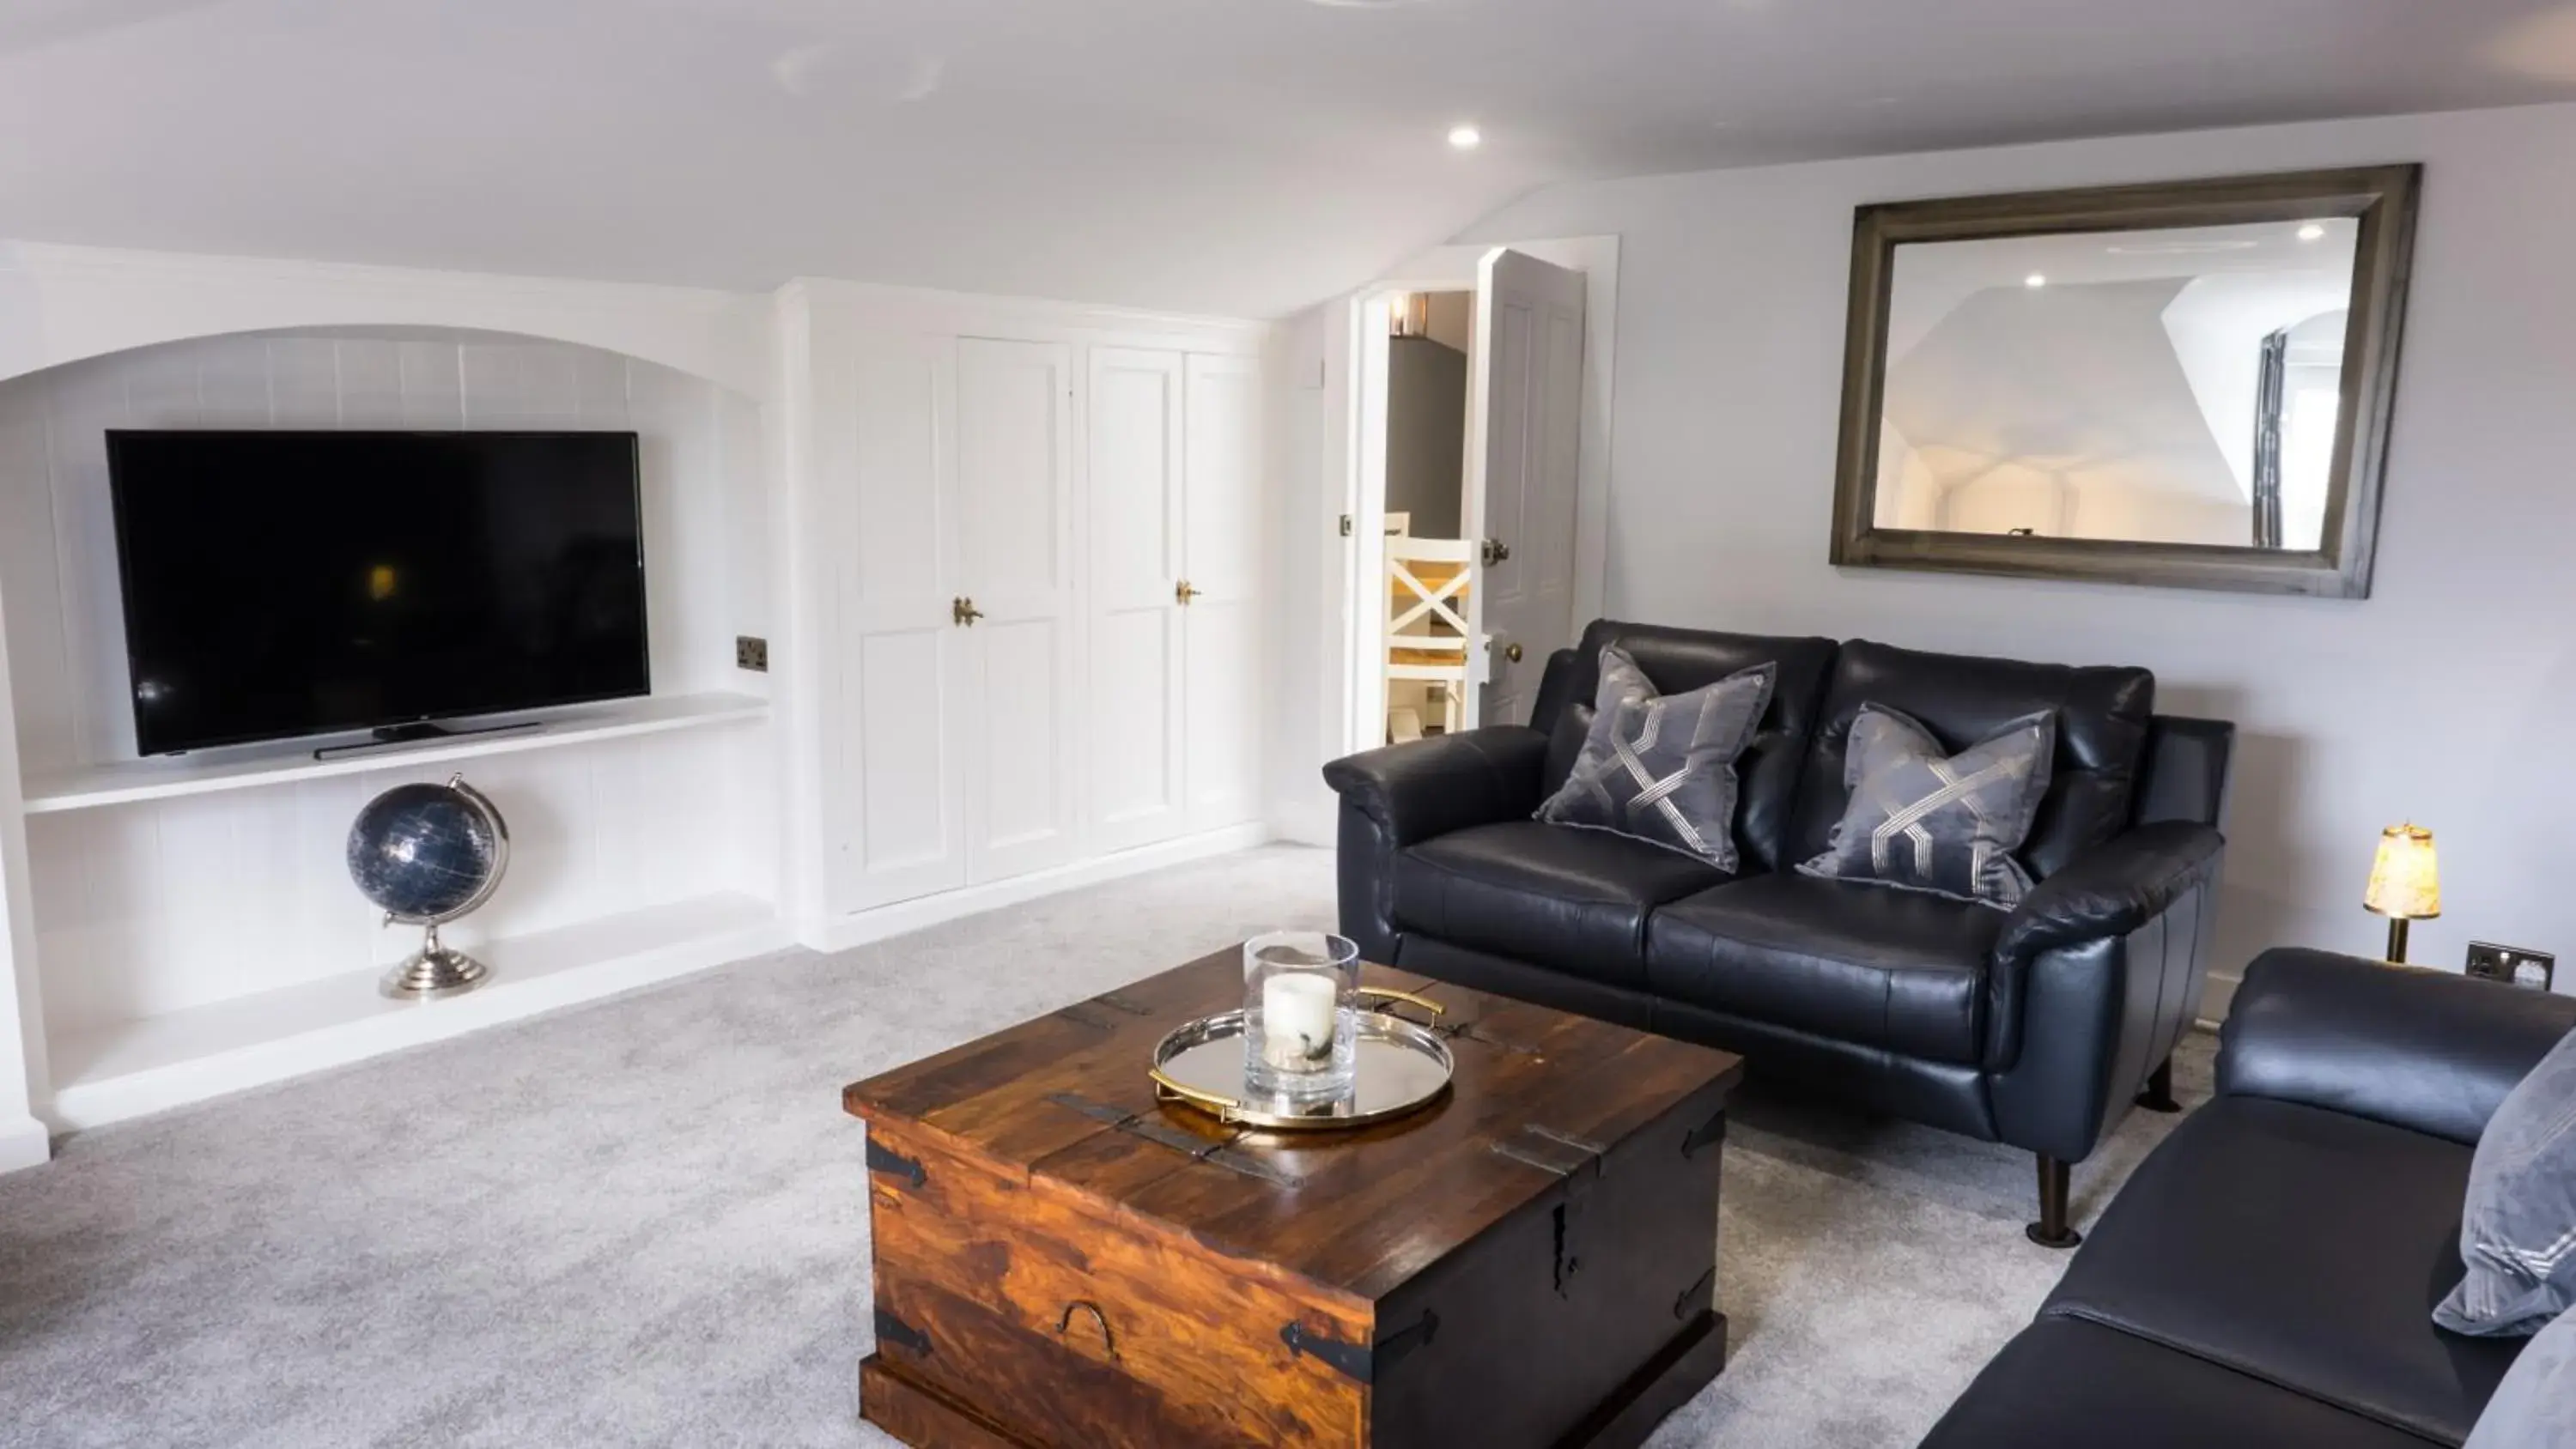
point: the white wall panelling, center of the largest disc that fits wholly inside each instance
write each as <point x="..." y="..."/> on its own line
<point x="830" y="467"/>
<point x="219" y="879"/>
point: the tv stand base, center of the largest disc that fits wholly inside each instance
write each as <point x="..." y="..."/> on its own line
<point x="386" y="736"/>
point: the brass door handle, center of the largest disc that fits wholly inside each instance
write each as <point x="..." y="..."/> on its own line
<point x="1184" y="593"/>
<point x="963" y="613"/>
<point x="1512" y="652"/>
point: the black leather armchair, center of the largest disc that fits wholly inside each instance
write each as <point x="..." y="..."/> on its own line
<point x="2268" y="1274"/>
<point x="2037" y="1027"/>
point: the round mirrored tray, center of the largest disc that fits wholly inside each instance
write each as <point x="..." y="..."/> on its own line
<point x="1403" y="1067"/>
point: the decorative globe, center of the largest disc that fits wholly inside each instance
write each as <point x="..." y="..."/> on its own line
<point x="425" y="854"/>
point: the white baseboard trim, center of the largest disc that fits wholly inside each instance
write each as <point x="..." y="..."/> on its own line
<point x="24" y="1143"/>
<point x="2217" y="998"/>
<point x="840" y="933"/>
<point x="135" y="1068"/>
<point x="1302" y="823"/>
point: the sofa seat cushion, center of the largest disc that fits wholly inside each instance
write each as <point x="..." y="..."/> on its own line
<point x="2067" y="1382"/>
<point x="1568" y="899"/>
<point x="2301" y="1246"/>
<point x="1901" y="971"/>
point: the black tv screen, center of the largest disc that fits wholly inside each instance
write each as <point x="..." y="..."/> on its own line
<point x="280" y="583"/>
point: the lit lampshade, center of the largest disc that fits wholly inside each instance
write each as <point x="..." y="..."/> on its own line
<point x="2405" y="884"/>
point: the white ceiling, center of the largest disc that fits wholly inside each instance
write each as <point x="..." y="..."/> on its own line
<point x="1241" y="156"/>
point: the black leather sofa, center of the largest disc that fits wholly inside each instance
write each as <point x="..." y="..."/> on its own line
<point x="2268" y="1275"/>
<point x="2036" y="1028"/>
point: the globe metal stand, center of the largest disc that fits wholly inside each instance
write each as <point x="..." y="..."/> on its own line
<point x="433" y="971"/>
<point x="427" y="855"/>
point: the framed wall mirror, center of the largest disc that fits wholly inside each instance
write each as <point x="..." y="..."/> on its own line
<point x="2185" y="384"/>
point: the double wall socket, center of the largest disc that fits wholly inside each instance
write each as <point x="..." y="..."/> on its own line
<point x="750" y="653"/>
<point x="2513" y="965"/>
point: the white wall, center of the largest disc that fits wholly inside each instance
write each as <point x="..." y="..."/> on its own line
<point x="2445" y="698"/>
<point x="158" y="906"/>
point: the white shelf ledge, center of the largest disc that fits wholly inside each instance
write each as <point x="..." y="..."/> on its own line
<point x="126" y="782"/>
<point x="185" y="1056"/>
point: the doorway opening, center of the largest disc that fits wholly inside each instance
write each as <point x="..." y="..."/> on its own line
<point x="1430" y="336"/>
<point x="1466" y="460"/>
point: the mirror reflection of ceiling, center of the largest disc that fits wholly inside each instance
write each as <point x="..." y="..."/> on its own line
<point x="2112" y="385"/>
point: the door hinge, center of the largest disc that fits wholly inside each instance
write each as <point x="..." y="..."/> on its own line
<point x="1347" y="525"/>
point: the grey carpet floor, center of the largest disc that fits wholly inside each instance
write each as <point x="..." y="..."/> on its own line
<point x="643" y="1221"/>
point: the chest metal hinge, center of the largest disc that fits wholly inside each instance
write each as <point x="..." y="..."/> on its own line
<point x="895" y="1164"/>
<point x="902" y="1335"/>
<point x="1360" y="1362"/>
<point x="1710" y="1133"/>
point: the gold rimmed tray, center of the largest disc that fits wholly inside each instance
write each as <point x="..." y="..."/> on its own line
<point x="1403" y="1067"/>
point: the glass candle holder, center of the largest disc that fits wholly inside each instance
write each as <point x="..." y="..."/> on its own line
<point x="1300" y="1016"/>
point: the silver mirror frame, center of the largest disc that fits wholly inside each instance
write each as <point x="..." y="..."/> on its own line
<point x="2383" y="200"/>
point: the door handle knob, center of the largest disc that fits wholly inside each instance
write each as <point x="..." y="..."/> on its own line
<point x="964" y="613"/>
<point x="1184" y="593"/>
<point x="1496" y="551"/>
<point x="1512" y="653"/>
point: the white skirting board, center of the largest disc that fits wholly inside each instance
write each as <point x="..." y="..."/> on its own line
<point x="186" y="1056"/>
<point x="840" y="933"/>
<point x="24" y="1143"/>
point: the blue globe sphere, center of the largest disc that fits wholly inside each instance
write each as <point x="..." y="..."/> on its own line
<point x="428" y="853"/>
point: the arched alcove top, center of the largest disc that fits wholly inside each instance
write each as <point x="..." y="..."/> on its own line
<point x="62" y="304"/>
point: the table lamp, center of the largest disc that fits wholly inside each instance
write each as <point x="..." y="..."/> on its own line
<point x="2404" y="884"/>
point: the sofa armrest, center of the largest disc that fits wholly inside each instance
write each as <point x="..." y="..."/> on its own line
<point x="2094" y="978"/>
<point x="2414" y="1048"/>
<point x="2112" y="889"/>
<point x="1430" y="787"/>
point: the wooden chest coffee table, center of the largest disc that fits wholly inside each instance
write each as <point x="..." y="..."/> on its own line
<point x="1061" y="1262"/>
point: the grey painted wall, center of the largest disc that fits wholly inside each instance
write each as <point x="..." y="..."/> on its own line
<point x="1426" y="433"/>
<point x="2445" y="699"/>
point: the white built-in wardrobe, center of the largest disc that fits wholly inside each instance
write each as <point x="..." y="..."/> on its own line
<point x="1041" y="531"/>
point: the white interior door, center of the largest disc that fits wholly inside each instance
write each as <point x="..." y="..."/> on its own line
<point x="1524" y="405"/>
<point x="1134" y="414"/>
<point x="1224" y="644"/>
<point x="905" y="686"/>
<point x="1014" y="445"/>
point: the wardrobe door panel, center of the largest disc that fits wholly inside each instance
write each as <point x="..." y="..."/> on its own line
<point x="1225" y="641"/>
<point x="1015" y="500"/>
<point x="1132" y="412"/>
<point x="905" y="670"/>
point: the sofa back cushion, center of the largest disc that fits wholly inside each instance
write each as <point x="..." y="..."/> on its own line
<point x="1676" y="660"/>
<point x="2102" y="717"/>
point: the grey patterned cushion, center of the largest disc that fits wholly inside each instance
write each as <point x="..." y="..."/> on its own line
<point x="1925" y="819"/>
<point x="1663" y="769"/>
<point x="2535" y="1406"/>
<point x="2518" y="1227"/>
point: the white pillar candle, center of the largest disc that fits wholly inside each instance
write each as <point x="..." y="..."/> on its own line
<point x="1297" y="1022"/>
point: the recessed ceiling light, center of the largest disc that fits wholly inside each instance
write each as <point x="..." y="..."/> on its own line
<point x="2035" y="279"/>
<point x="2311" y="232"/>
<point x="1466" y="138"/>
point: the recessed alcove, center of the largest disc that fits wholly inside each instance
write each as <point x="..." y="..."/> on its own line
<point x="194" y="927"/>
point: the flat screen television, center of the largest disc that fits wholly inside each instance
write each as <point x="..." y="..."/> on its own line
<point x="284" y="584"/>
